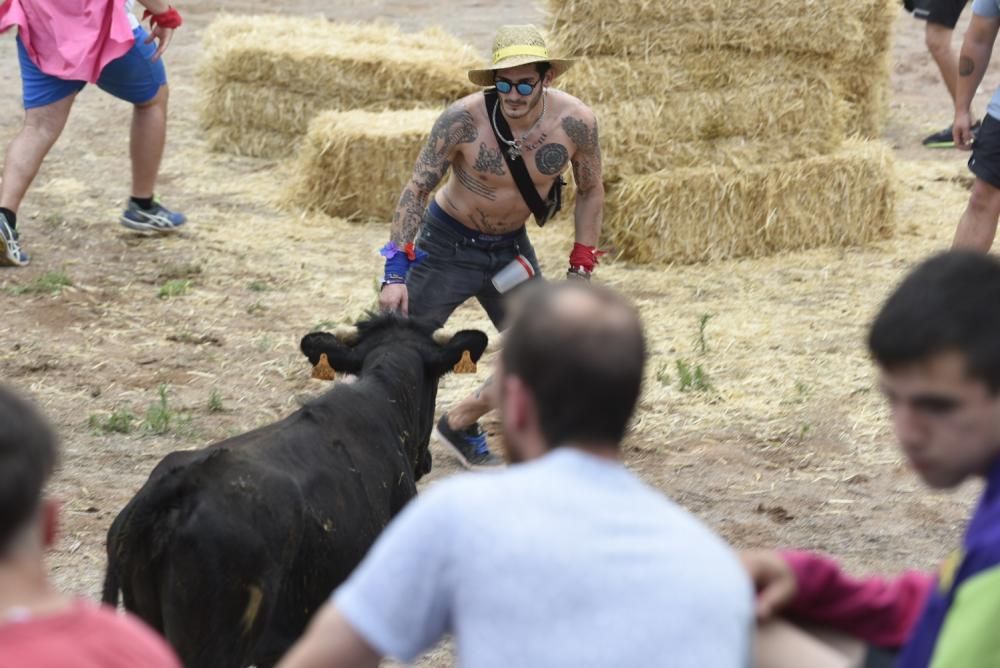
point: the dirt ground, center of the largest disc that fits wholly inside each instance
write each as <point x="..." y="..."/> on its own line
<point x="790" y="446"/>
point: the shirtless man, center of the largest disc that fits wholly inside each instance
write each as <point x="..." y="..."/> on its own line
<point x="475" y="224"/>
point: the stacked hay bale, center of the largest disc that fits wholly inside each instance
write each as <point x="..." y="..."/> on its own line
<point x="354" y="164"/>
<point x="724" y="123"/>
<point x="266" y="77"/>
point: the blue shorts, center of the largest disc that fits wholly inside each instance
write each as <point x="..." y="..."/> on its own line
<point x="133" y="77"/>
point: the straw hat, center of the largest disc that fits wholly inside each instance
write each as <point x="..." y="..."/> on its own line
<point x="514" y="46"/>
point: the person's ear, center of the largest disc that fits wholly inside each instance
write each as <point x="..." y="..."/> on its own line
<point x="50" y="522"/>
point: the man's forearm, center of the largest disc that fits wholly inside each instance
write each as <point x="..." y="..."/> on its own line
<point x="973" y="59"/>
<point x="409" y="213"/>
<point x="588" y="214"/>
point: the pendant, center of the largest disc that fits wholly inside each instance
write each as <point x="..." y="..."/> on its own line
<point x="514" y="152"/>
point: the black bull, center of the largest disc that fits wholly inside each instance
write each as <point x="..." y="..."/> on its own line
<point x="229" y="550"/>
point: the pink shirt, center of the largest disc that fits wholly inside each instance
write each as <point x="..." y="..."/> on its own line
<point x="881" y="611"/>
<point x="86" y="636"/>
<point x="71" y="40"/>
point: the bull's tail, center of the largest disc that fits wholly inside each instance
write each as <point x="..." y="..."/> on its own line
<point x="111" y="582"/>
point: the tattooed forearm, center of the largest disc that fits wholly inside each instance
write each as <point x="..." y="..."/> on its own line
<point x="489" y="160"/>
<point x="474" y="185"/>
<point x="551" y="158"/>
<point x="966" y="66"/>
<point x="406" y="220"/>
<point x="455" y="126"/>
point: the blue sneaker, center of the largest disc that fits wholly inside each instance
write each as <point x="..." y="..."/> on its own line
<point x="157" y="219"/>
<point x="12" y="254"/>
<point x="468" y="444"/>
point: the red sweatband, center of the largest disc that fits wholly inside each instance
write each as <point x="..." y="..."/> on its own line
<point x="168" y="19"/>
<point x="411" y="251"/>
<point x="584" y="257"/>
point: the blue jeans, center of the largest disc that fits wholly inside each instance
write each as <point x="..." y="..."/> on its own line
<point x="460" y="264"/>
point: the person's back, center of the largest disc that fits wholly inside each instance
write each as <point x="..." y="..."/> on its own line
<point x="84" y="635"/>
<point x="574" y="558"/>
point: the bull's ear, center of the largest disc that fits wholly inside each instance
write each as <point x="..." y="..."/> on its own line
<point x="450" y="353"/>
<point x="340" y="356"/>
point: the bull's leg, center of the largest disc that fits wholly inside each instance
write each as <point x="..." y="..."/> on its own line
<point x="215" y="600"/>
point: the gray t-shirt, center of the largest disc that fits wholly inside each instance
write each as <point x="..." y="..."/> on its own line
<point x="568" y="560"/>
<point x="989" y="9"/>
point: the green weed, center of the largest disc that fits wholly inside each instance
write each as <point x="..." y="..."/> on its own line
<point x="120" y="421"/>
<point x="175" y="287"/>
<point x="692" y="378"/>
<point x="50" y="282"/>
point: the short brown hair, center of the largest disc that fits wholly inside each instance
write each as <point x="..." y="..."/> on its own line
<point x="28" y="454"/>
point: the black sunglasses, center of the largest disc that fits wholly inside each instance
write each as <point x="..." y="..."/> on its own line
<point x="523" y="88"/>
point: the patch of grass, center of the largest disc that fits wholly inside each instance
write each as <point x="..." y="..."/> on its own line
<point x="692" y="378"/>
<point x="176" y="287"/>
<point x="256" y="307"/>
<point x="663" y="375"/>
<point x="702" y="323"/>
<point x="120" y="421"/>
<point x="258" y="286"/>
<point x="159" y="416"/>
<point x="50" y="282"/>
<point x="215" y="403"/>
<point x="265" y="344"/>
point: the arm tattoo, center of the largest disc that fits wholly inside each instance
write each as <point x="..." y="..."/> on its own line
<point x="966" y="66"/>
<point x="455" y="126"/>
<point x="587" y="159"/>
<point x="551" y="158"/>
<point x="474" y="185"/>
<point x="489" y="160"/>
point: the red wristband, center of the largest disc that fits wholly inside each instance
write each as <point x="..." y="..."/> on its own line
<point x="584" y="257"/>
<point x="168" y="19"/>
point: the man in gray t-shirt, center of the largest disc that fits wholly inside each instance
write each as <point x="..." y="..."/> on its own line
<point x="565" y="558"/>
<point x="978" y="225"/>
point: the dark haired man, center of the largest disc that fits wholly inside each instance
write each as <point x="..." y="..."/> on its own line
<point x="937" y="345"/>
<point x="475" y="224"/>
<point x="563" y="559"/>
<point x="39" y="627"/>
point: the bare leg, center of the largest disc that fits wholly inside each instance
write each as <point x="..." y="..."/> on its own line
<point x="149" y="134"/>
<point x="978" y="225"/>
<point x="476" y="405"/>
<point x="938" y="39"/>
<point x="42" y="127"/>
<point x="782" y="645"/>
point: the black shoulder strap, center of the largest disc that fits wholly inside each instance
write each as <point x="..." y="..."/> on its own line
<point x="516" y="165"/>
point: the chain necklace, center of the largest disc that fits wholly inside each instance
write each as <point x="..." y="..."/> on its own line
<point x="514" y="147"/>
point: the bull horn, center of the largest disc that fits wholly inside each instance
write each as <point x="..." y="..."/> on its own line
<point x="347" y="334"/>
<point x="443" y="337"/>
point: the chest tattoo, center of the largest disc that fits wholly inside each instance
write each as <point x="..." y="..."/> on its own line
<point x="551" y="158"/>
<point x="489" y="161"/>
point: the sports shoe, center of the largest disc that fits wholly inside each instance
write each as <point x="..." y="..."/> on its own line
<point x="945" y="139"/>
<point x="469" y="444"/>
<point x="157" y="219"/>
<point x="13" y="255"/>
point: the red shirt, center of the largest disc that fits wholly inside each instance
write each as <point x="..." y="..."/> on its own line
<point x="86" y="636"/>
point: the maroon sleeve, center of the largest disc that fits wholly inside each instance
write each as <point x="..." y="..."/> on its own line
<point x="881" y="611"/>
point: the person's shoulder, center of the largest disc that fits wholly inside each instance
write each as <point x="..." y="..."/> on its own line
<point x="570" y="105"/>
<point x="131" y="637"/>
<point x="472" y="103"/>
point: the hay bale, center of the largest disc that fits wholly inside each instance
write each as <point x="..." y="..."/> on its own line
<point x="691" y="215"/>
<point x="276" y="73"/>
<point x="838" y="29"/>
<point x="864" y="86"/>
<point x="793" y="120"/>
<point x="597" y="79"/>
<point x="354" y="164"/>
<point x="251" y="141"/>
